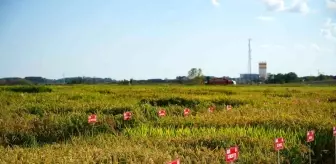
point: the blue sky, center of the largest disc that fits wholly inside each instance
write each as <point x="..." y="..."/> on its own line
<point x="163" y="39"/>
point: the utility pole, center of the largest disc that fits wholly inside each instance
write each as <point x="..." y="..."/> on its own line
<point x="249" y="59"/>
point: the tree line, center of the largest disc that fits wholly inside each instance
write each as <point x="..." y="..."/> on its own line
<point x="292" y="77"/>
<point x="194" y="76"/>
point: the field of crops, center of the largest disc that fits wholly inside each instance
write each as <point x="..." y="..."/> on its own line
<point x="50" y="124"/>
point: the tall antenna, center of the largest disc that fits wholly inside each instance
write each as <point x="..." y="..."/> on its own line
<point x="249" y="58"/>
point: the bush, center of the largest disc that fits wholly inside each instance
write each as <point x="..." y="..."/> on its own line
<point x="29" y="89"/>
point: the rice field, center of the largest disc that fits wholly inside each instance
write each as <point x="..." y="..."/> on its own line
<point x="50" y="124"/>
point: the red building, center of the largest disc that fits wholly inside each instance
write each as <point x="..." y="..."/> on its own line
<point x="218" y="81"/>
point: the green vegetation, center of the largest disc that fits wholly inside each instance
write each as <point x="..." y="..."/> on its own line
<point x="49" y="124"/>
<point x="193" y="76"/>
<point x="29" y="89"/>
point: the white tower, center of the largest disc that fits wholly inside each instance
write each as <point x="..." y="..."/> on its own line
<point x="263" y="70"/>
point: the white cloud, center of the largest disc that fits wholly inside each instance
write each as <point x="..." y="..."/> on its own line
<point x="298" y="6"/>
<point x="274" y="5"/>
<point x="215" y="2"/>
<point x="331" y="4"/>
<point x="265" y="18"/>
<point x="329" y="29"/>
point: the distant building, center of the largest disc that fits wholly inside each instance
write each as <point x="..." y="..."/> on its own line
<point x="263" y="71"/>
<point x="251" y="76"/>
<point x="246" y="78"/>
<point x="183" y="78"/>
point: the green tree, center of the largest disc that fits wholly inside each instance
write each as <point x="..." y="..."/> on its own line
<point x="321" y="77"/>
<point x="196" y="75"/>
<point x="290" y="77"/>
<point x="194" y="72"/>
<point x="179" y="79"/>
<point x="283" y="78"/>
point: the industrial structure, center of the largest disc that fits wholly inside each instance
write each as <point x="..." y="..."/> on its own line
<point x="263" y="71"/>
<point x="247" y="78"/>
<point x="250" y="77"/>
<point x="249" y="58"/>
<point x="244" y="78"/>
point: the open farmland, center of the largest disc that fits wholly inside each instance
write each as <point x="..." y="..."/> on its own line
<point x="45" y="125"/>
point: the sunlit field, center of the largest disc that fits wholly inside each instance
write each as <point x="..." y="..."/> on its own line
<point x="50" y="124"/>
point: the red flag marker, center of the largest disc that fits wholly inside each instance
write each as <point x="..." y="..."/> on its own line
<point x="211" y="109"/>
<point x="279" y="144"/>
<point x="228" y="107"/>
<point x="186" y="112"/>
<point x="334" y="133"/>
<point x="177" y="161"/>
<point x="92" y="118"/>
<point x="231" y="154"/>
<point x="127" y="115"/>
<point x="310" y="136"/>
<point x="162" y="113"/>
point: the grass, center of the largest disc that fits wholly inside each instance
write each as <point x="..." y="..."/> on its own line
<point x="49" y="124"/>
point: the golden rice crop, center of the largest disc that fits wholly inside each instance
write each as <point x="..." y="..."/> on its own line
<point x="49" y="125"/>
